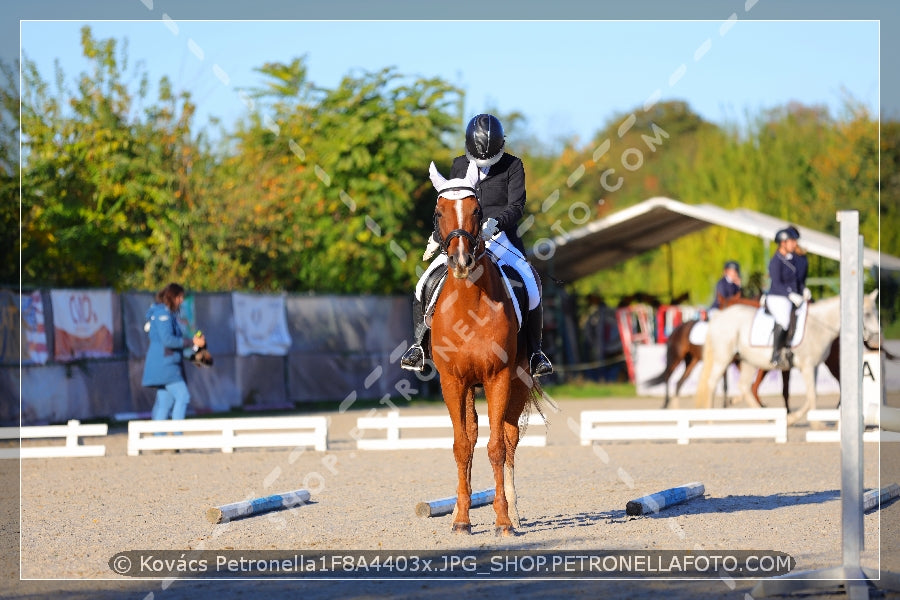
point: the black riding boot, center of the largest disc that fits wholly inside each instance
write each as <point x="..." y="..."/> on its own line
<point x="538" y="362"/>
<point x="414" y="358"/>
<point x="779" y="340"/>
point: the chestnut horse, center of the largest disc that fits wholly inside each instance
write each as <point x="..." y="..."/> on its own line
<point x="475" y="342"/>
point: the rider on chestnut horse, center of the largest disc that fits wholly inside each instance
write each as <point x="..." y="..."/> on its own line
<point x="501" y="191"/>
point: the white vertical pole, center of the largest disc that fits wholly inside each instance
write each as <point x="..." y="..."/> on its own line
<point x="851" y="389"/>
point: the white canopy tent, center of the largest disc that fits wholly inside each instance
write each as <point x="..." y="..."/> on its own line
<point x="637" y="229"/>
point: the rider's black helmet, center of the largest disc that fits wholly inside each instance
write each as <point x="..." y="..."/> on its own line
<point x="484" y="140"/>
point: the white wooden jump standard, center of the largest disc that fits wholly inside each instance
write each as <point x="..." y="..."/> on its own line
<point x="850" y="574"/>
<point x="238" y="510"/>
<point x="393" y="423"/>
<point x="72" y="431"/>
<point x="683" y="425"/>
<point x="445" y="506"/>
<point x="251" y="432"/>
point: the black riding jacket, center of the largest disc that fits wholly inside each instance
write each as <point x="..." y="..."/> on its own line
<point x="501" y="192"/>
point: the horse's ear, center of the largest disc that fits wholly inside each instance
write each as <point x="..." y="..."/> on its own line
<point x="873" y="295"/>
<point x="472" y="173"/>
<point x="437" y="180"/>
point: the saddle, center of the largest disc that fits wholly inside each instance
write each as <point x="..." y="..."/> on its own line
<point x="515" y="287"/>
<point x="764" y="322"/>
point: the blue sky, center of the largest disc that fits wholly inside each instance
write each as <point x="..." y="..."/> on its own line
<point x="567" y="77"/>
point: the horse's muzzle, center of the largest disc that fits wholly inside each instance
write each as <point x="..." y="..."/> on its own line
<point x="461" y="264"/>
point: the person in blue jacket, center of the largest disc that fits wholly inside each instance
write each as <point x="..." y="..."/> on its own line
<point x="164" y="365"/>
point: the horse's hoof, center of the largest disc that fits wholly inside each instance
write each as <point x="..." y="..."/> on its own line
<point x="504" y="531"/>
<point x="462" y="528"/>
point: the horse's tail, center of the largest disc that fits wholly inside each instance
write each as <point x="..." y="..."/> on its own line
<point x="538" y="399"/>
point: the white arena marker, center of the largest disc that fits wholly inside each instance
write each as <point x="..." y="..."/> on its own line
<point x="654" y="503"/>
<point x="871" y="498"/>
<point x="444" y="506"/>
<point x="237" y="510"/>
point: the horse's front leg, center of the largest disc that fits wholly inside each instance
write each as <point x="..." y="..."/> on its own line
<point x="461" y="415"/>
<point x="497" y="393"/>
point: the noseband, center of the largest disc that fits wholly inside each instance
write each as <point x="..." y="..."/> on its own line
<point x="461" y="233"/>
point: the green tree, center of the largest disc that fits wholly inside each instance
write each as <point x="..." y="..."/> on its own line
<point x="327" y="190"/>
<point x="102" y="184"/>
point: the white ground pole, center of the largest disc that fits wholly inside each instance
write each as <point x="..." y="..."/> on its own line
<point x="854" y="578"/>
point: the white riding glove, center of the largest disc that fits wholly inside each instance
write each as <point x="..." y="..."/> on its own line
<point x="795" y="298"/>
<point x="807" y="294"/>
<point x="432" y="247"/>
<point x="489" y="229"/>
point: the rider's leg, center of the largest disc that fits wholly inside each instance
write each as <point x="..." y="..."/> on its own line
<point x="780" y="308"/>
<point x="538" y="362"/>
<point x="779" y="339"/>
<point x="414" y="358"/>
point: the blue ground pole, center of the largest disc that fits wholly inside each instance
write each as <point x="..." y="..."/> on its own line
<point x="238" y="510"/>
<point x="444" y="506"/>
<point x="654" y="503"/>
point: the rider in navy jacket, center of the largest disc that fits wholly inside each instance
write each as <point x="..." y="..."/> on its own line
<point x="730" y="283"/>
<point x="787" y="289"/>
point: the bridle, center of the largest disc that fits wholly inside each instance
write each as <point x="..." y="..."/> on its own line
<point x="474" y="238"/>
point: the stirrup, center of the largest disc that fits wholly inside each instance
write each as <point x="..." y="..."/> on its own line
<point x="413" y="359"/>
<point x="540" y="364"/>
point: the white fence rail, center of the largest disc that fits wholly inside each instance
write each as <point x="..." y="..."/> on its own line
<point x="72" y="431"/>
<point x="393" y="423"/>
<point x="683" y="425"/>
<point x="228" y="433"/>
<point x="829" y="421"/>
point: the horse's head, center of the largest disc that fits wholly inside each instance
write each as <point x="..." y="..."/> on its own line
<point x="871" y="325"/>
<point x="457" y="220"/>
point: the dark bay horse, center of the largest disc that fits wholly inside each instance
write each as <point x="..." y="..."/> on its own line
<point x="679" y="348"/>
<point x="475" y="341"/>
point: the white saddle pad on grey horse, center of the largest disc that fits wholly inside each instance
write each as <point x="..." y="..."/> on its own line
<point x="764" y="323"/>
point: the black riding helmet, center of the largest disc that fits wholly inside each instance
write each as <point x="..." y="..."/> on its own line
<point x="484" y="140"/>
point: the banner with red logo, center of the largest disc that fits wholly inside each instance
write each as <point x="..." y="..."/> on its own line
<point x="82" y="324"/>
